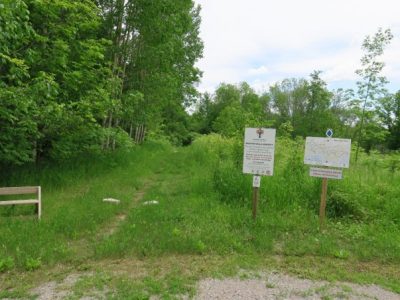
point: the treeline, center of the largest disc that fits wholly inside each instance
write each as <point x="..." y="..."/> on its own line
<point x="301" y="107"/>
<point x="94" y="75"/>
<point x="86" y="75"/>
<point x="370" y="116"/>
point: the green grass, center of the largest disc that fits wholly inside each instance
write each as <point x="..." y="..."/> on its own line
<point x="72" y="205"/>
<point x="204" y="217"/>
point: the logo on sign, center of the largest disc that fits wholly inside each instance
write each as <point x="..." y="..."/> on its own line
<point x="260" y="132"/>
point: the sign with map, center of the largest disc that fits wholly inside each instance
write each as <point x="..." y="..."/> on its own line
<point x="259" y="147"/>
<point x="328" y="152"/>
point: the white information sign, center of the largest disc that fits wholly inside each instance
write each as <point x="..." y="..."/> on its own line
<point x="259" y="147"/>
<point x="256" y="181"/>
<point x="326" y="173"/>
<point x="328" y="152"/>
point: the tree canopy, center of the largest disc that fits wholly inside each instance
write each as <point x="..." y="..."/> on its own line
<point x="84" y="75"/>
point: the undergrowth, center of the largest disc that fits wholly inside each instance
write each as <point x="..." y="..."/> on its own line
<point x="200" y="204"/>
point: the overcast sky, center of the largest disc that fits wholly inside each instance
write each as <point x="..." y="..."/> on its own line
<point x="264" y="41"/>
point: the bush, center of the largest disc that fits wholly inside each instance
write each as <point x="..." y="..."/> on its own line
<point x="342" y="205"/>
<point x="6" y="264"/>
<point x="32" y="264"/>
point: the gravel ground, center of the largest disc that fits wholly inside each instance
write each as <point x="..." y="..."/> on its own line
<point x="55" y="291"/>
<point x="256" y="286"/>
<point x="279" y="286"/>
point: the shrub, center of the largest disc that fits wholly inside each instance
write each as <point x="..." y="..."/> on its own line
<point x="6" y="264"/>
<point x="32" y="264"/>
<point x="343" y="205"/>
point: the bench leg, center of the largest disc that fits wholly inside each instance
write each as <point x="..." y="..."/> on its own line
<point x="40" y="202"/>
<point x="39" y="210"/>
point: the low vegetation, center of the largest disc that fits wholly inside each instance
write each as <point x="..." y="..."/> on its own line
<point x="202" y="224"/>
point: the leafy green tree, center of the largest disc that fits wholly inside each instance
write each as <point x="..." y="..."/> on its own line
<point x="372" y="85"/>
<point x="52" y="69"/>
<point x="211" y="107"/>
<point x="318" y="114"/>
<point x="389" y="111"/>
<point x="67" y="48"/>
<point x="289" y="100"/>
<point x="343" y="112"/>
<point x="232" y="120"/>
<point x="203" y="116"/>
<point x="285" y="130"/>
<point x="15" y="36"/>
<point x="250" y="101"/>
<point x="374" y="133"/>
<point x="18" y="110"/>
<point x="155" y="45"/>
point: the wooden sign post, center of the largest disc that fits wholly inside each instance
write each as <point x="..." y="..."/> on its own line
<point x="327" y="152"/>
<point x="256" y="194"/>
<point x="322" y="205"/>
<point x="258" y="158"/>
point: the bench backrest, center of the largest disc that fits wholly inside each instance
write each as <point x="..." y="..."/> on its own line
<point x="19" y="190"/>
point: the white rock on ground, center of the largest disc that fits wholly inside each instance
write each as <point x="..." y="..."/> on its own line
<point x="112" y="200"/>
<point x="151" y="202"/>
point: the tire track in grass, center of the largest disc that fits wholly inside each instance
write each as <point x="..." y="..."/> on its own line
<point x="82" y="248"/>
<point x="110" y="228"/>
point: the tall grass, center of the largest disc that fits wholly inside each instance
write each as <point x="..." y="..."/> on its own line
<point x="204" y="207"/>
<point x="363" y="209"/>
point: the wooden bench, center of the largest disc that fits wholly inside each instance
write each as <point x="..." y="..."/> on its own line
<point x="22" y="191"/>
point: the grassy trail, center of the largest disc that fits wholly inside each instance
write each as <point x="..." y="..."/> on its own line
<point x="132" y="251"/>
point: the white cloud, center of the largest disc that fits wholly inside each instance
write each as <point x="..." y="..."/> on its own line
<point x="258" y="71"/>
<point x="260" y="41"/>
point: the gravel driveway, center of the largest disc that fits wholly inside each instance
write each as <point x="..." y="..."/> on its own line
<point x="280" y="286"/>
<point x="272" y="285"/>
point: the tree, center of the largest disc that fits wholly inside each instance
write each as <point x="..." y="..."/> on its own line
<point x="389" y="111"/>
<point x="67" y="48"/>
<point x="289" y="100"/>
<point x="343" y="114"/>
<point x="18" y="110"/>
<point x="371" y="87"/>
<point x="155" y="45"/>
<point x="318" y="113"/>
<point x="232" y="120"/>
<point x="203" y="116"/>
<point x="374" y="134"/>
<point x="80" y="75"/>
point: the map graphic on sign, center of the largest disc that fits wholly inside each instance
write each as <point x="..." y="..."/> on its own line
<point x="259" y="147"/>
<point x="328" y="152"/>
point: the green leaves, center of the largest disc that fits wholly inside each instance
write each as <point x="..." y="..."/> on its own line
<point x="50" y="60"/>
<point x="19" y="129"/>
<point x="372" y="86"/>
<point x="77" y="75"/>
